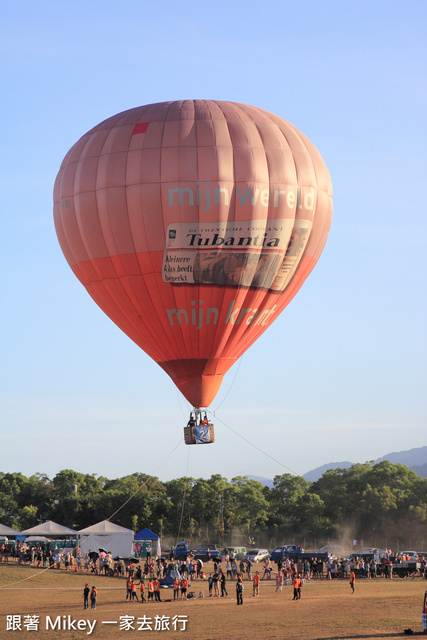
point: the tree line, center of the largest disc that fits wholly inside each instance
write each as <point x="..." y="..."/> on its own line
<point x="383" y="504"/>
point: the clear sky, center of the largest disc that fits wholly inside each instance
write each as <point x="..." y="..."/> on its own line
<point x="341" y="374"/>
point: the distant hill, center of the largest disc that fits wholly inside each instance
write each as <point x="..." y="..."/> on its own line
<point x="265" y="481"/>
<point x="315" y="474"/>
<point x="415" y="459"/>
<point x="411" y="458"/>
<point x="420" y="469"/>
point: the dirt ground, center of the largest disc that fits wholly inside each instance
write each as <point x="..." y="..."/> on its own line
<point x="327" y="610"/>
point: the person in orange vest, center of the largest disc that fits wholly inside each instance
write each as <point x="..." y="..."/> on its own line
<point x="142" y="590"/>
<point x="184" y="586"/>
<point x="151" y="589"/>
<point x="255" y="584"/>
<point x="156" y="584"/>
<point x="352" y="581"/>
<point x="134" y="591"/>
<point x="297" y="585"/>
<point x="176" y="589"/>
<point x="93" y="597"/>
<point x="129" y="582"/>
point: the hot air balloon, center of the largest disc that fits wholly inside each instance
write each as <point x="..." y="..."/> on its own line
<point x="192" y="224"/>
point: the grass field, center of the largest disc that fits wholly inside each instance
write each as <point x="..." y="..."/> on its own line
<point x="327" y="610"/>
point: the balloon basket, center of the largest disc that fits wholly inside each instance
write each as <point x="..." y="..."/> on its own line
<point x="203" y="434"/>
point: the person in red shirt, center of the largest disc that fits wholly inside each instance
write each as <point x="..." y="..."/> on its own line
<point x="156" y="584"/>
<point x="142" y="588"/>
<point x="176" y="589"/>
<point x="129" y="582"/>
<point x="184" y="586"/>
<point x="255" y="584"/>
<point x="297" y="587"/>
<point x="134" y="592"/>
<point x="151" y="590"/>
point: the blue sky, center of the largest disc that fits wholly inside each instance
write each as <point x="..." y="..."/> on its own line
<point x="341" y="374"/>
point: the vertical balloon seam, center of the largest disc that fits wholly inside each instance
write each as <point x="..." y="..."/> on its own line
<point x="170" y="286"/>
<point x="153" y="285"/>
<point x="243" y="330"/>
<point x="118" y="292"/>
<point x="226" y="335"/>
<point x="63" y="214"/>
<point x="159" y="341"/>
<point x="298" y="278"/>
<point x="60" y="215"/>
<point x="156" y="282"/>
<point x="176" y="293"/>
<point x="197" y="286"/>
<point x="80" y="222"/>
<point x="256" y="335"/>
<point x="213" y="351"/>
<point x="193" y="346"/>
<point x="302" y="273"/>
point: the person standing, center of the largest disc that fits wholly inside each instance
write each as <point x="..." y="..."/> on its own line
<point x="296" y="587"/>
<point x="279" y="581"/>
<point x="352" y="581"/>
<point x="184" y="587"/>
<point x="93" y="597"/>
<point x="129" y="583"/>
<point x="224" y="591"/>
<point x="134" y="592"/>
<point x="256" y="581"/>
<point x="299" y="586"/>
<point x="86" y="592"/>
<point x="142" y="590"/>
<point x="156" y="584"/>
<point x="215" y="579"/>
<point x="176" y="589"/>
<point x="249" y="568"/>
<point x="151" y="589"/>
<point x="239" y="590"/>
<point x="210" y="584"/>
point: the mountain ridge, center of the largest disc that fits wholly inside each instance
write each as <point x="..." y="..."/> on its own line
<point x="415" y="459"/>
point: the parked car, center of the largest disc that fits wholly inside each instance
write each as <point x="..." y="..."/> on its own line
<point x="256" y="555"/>
<point x="239" y="552"/>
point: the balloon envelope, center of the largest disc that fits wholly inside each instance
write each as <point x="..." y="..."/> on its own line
<point x="192" y="224"/>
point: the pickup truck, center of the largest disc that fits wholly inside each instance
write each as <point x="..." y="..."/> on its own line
<point x="295" y="552"/>
<point x="200" y="552"/>
<point x="181" y="551"/>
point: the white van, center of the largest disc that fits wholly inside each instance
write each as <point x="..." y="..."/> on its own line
<point x="256" y="555"/>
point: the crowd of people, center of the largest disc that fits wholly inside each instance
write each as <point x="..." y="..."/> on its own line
<point x="146" y="577"/>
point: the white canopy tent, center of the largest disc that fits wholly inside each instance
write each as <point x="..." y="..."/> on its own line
<point x="109" y="536"/>
<point x="8" y="531"/>
<point x="50" y="529"/>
